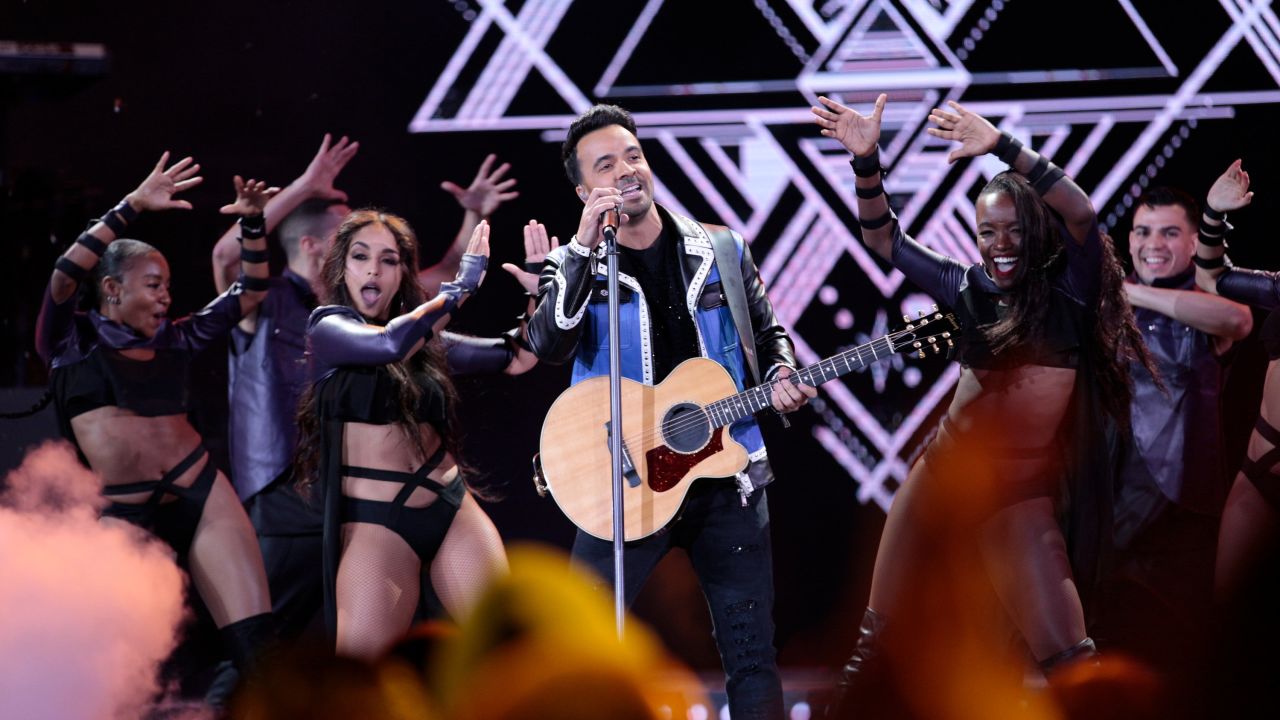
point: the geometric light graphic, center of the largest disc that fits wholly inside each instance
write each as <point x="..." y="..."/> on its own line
<point x="731" y="140"/>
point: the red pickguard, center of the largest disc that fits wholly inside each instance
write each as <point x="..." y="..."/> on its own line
<point x="668" y="467"/>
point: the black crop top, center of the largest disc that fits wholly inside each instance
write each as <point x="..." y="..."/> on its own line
<point x="369" y="395"/>
<point x="1054" y="344"/>
<point x="89" y="370"/>
<point x="150" y="388"/>
<point x="975" y="297"/>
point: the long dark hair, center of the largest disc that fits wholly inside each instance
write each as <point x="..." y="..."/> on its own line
<point x="1043" y="254"/>
<point x="430" y="359"/>
<point x="1117" y="342"/>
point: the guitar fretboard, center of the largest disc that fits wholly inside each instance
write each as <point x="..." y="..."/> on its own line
<point x="753" y="400"/>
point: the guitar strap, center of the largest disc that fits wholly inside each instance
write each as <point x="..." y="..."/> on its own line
<point x="735" y="294"/>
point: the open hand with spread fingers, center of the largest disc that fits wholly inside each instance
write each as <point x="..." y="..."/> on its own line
<point x="157" y="190"/>
<point x="251" y="197"/>
<point x="536" y="247"/>
<point x="1231" y="190"/>
<point x="487" y="190"/>
<point x="323" y="169"/>
<point x="976" y="135"/>
<point x="858" y="133"/>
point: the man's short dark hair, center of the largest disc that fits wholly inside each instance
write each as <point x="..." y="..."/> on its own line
<point x="1165" y="196"/>
<point x="599" y="116"/>
<point x="312" y="217"/>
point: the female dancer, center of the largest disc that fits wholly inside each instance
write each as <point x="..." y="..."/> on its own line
<point x="379" y="435"/>
<point x="119" y="380"/>
<point x="1045" y="323"/>
<point x="1251" y="518"/>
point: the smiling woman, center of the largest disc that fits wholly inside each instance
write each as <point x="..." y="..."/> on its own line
<point x="119" y="377"/>
<point x="1044" y="351"/>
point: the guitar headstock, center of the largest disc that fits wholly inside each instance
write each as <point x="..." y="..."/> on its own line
<point x="933" y="329"/>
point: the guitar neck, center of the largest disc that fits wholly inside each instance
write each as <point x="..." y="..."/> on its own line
<point x="753" y="400"/>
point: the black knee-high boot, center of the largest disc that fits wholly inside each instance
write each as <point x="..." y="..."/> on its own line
<point x="245" y="641"/>
<point x="861" y="673"/>
<point x="1082" y="651"/>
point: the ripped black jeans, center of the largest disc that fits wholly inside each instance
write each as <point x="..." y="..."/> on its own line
<point x="728" y="546"/>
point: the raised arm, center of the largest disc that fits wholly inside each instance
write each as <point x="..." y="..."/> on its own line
<point x="537" y="245"/>
<point x="251" y="200"/>
<point x="479" y="200"/>
<point x="314" y="182"/>
<point x="1221" y="317"/>
<point x="977" y="136"/>
<point x="1214" y="273"/>
<point x="338" y="336"/>
<point x="511" y="353"/>
<point x="77" y="263"/>
<point x="936" y="274"/>
<point x="215" y="320"/>
<point x="860" y="135"/>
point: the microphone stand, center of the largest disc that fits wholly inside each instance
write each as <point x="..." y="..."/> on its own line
<point x="615" y="424"/>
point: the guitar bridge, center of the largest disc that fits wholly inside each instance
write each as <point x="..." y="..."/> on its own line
<point x="628" y="468"/>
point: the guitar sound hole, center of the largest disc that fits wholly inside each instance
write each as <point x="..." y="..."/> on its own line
<point x="686" y="428"/>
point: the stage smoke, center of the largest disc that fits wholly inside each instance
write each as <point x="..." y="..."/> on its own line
<point x="88" y="609"/>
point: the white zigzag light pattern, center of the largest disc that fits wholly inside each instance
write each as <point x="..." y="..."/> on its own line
<point x="763" y="170"/>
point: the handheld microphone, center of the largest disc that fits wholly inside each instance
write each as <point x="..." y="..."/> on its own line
<point x="610" y="218"/>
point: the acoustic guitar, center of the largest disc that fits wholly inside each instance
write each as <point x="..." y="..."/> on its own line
<point x="677" y="431"/>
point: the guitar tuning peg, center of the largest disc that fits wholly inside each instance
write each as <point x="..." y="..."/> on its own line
<point x="946" y="334"/>
<point x="920" y="313"/>
<point x="916" y="344"/>
<point x="950" y="344"/>
<point x="921" y="354"/>
<point x="906" y="318"/>
<point x="936" y="349"/>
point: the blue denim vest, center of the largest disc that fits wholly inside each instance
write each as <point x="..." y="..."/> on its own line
<point x="717" y="336"/>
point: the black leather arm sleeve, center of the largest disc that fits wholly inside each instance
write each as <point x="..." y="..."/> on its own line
<point x="563" y="289"/>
